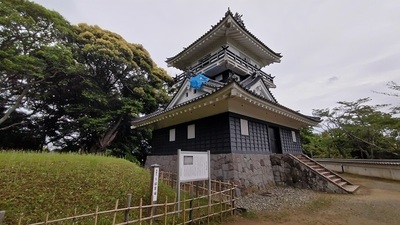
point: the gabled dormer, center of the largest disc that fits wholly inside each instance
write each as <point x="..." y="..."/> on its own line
<point x="227" y="51"/>
<point x="186" y="93"/>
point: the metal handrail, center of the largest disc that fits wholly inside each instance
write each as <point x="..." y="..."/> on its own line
<point x="393" y="162"/>
<point x="220" y="55"/>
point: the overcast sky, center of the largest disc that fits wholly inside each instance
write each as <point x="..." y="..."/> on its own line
<point x="337" y="50"/>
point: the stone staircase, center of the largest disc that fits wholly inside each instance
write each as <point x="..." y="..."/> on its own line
<point x="325" y="173"/>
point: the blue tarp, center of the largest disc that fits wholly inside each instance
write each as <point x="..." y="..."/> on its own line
<point x="197" y="81"/>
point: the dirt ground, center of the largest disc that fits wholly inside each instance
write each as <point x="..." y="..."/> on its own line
<point x="376" y="202"/>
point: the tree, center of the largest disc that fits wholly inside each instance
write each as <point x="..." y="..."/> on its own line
<point x="319" y="144"/>
<point x="394" y="87"/>
<point x="74" y="87"/>
<point x="360" y="129"/>
<point x="120" y="81"/>
<point x="30" y="36"/>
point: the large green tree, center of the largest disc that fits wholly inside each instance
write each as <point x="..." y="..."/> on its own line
<point x="33" y="50"/>
<point x="30" y="36"/>
<point x="74" y="87"/>
<point x="120" y="81"/>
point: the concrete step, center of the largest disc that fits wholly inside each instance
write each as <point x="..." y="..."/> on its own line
<point x="321" y="169"/>
<point x="327" y="173"/>
<point x="305" y="160"/>
<point x="316" y="166"/>
<point x="332" y="177"/>
<point x="335" y="179"/>
<point x="350" y="187"/>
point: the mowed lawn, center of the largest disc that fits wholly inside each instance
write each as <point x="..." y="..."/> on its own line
<point x="33" y="184"/>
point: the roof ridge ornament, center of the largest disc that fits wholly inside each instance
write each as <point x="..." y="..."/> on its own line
<point x="228" y="12"/>
<point x="239" y="20"/>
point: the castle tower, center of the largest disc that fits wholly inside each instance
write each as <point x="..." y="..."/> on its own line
<point x="224" y="104"/>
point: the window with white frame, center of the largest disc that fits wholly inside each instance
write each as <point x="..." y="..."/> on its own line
<point x="294" y="136"/>
<point x="244" y="127"/>
<point x="191" y="131"/>
<point x="172" y="134"/>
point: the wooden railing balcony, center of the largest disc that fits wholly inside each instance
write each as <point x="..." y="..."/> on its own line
<point x="223" y="54"/>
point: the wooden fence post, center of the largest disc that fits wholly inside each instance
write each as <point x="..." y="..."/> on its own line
<point x="174" y="210"/>
<point x="140" y="211"/>
<point x="184" y="210"/>
<point x="166" y="210"/>
<point x="47" y="218"/>
<point x="233" y="199"/>
<point x="191" y="210"/>
<point x="96" y="215"/>
<point x="128" y="205"/>
<point x="220" y="202"/>
<point x="2" y="216"/>
<point x="20" y="220"/>
<point x="115" y="213"/>
<point x="73" y="219"/>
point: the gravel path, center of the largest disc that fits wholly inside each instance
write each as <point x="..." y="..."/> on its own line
<point x="276" y="199"/>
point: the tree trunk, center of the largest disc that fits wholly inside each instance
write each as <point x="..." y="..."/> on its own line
<point x="364" y="151"/>
<point x="15" y="106"/>
<point x="106" y="139"/>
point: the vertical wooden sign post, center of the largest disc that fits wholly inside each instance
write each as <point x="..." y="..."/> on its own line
<point x="155" y="172"/>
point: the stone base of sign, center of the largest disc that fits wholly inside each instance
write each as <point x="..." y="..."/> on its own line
<point x="251" y="172"/>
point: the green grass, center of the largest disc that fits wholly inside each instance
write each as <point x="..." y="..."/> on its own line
<point x="33" y="184"/>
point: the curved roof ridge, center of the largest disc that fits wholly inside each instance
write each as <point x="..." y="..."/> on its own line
<point x="213" y="27"/>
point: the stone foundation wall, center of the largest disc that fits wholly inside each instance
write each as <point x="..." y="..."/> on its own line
<point x="251" y="172"/>
<point x="290" y="172"/>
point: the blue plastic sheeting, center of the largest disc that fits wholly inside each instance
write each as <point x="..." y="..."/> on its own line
<point x="197" y="81"/>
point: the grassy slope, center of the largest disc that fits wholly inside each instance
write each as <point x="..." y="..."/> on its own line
<point x="33" y="184"/>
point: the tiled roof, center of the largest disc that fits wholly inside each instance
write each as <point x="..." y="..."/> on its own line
<point x="317" y="119"/>
<point x="228" y="13"/>
<point x="251" y="80"/>
<point x="217" y="89"/>
<point x="161" y="111"/>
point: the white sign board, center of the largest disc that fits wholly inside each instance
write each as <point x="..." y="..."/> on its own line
<point x="193" y="166"/>
<point x="155" y="183"/>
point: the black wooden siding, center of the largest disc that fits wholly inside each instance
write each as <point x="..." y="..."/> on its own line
<point x="222" y="134"/>
<point x="211" y="133"/>
<point x="288" y="146"/>
<point x="255" y="142"/>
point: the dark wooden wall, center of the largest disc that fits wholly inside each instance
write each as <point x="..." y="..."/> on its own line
<point x="212" y="133"/>
<point x="222" y="134"/>
<point x="288" y="146"/>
